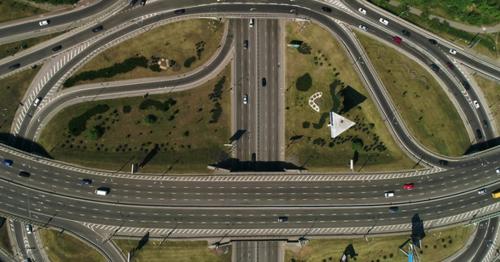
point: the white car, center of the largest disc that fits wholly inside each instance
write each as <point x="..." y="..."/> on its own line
<point x="44" y="22"/>
<point x="250" y="24"/>
<point x="482" y="191"/>
<point x="361" y="10"/>
<point x="245" y="99"/>
<point x="37" y="101"/>
<point x="453" y="51"/>
<point x="362" y="27"/>
<point x="389" y="194"/>
<point x="497" y="170"/>
<point x="29" y="228"/>
<point x="383" y="21"/>
<point x="476" y="104"/>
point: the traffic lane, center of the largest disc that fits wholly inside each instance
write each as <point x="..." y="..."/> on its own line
<point x="485" y="245"/>
<point x="55" y="20"/>
<point x="199" y="218"/>
<point x="19" y="236"/>
<point x="140" y="191"/>
<point x="234" y="193"/>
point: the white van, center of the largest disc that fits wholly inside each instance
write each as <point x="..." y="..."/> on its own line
<point x="250" y="24"/>
<point x="102" y="191"/>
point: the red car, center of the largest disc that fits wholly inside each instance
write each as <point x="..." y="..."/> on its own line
<point x="408" y="186"/>
<point x="397" y="39"/>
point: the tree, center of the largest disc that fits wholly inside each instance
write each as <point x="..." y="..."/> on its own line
<point x="150" y="119"/>
<point x="95" y="132"/>
<point x="304" y="82"/>
<point x="357" y="144"/>
<point x="304" y="48"/>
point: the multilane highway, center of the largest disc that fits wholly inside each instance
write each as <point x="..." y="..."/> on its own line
<point x="52" y="196"/>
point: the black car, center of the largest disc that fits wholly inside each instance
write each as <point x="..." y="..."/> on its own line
<point x="432" y="41"/>
<point x="466" y="85"/>
<point x="57" y="48"/>
<point x="180" y="11"/>
<point x="443" y="162"/>
<point x="15" y="66"/>
<point x="85" y="181"/>
<point x="24" y="174"/>
<point x="435" y="68"/>
<point x="406" y="33"/>
<point x="245" y="44"/>
<point x="97" y="29"/>
<point x="326" y="9"/>
<point x="393" y="209"/>
<point x="282" y="219"/>
<point x="264" y="81"/>
<point x="479" y="134"/>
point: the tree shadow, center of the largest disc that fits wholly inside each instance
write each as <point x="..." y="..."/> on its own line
<point x="352" y="99"/>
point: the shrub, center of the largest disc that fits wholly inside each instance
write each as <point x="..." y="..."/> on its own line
<point x="306" y="124"/>
<point x="150" y="119"/>
<point x="118" y="68"/>
<point x="304" y="48"/>
<point x="96" y="132"/>
<point x="78" y="124"/>
<point x="357" y="144"/>
<point x="216" y="113"/>
<point x="189" y="61"/>
<point x="126" y="109"/>
<point x="158" y="105"/>
<point x="304" y="82"/>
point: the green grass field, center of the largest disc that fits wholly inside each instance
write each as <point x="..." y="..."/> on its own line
<point x="308" y="137"/>
<point x="12" y="90"/>
<point x="12" y="10"/>
<point x="128" y="129"/>
<point x="12" y="48"/>
<point x="436" y="246"/>
<point x="63" y="247"/>
<point x="4" y="236"/>
<point x="178" y="251"/>
<point x="203" y="35"/>
<point x="491" y="90"/>
<point x="426" y="109"/>
<point x="468" y="11"/>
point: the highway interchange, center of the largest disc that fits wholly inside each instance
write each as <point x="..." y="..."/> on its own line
<point x="214" y="207"/>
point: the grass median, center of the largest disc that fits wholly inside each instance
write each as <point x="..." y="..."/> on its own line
<point x="175" y="132"/>
<point x="15" y="47"/>
<point x="12" y="10"/>
<point x="186" y="44"/>
<point x="424" y="106"/>
<point x="483" y="43"/>
<point x="4" y="236"/>
<point x="12" y="90"/>
<point x="61" y="247"/>
<point x="179" y="251"/>
<point x="491" y="90"/>
<point x="436" y="246"/>
<point x="321" y="65"/>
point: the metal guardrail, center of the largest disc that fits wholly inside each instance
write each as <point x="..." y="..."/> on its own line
<point x="486" y="217"/>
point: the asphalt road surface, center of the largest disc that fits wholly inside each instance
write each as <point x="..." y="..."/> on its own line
<point x="261" y="251"/>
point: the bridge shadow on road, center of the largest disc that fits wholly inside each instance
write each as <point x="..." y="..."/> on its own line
<point x="235" y="165"/>
<point x="23" y="144"/>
